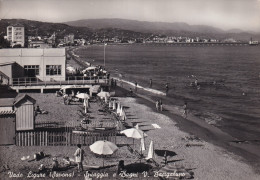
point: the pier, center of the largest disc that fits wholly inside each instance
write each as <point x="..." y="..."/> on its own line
<point x="79" y="82"/>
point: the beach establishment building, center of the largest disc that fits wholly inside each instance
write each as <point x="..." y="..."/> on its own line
<point x="15" y="35"/>
<point x="42" y="64"/>
<point x="16" y="114"/>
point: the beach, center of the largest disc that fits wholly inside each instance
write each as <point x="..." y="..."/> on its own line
<point x="205" y="160"/>
<point x="193" y="146"/>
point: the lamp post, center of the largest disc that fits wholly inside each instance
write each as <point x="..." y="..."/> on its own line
<point x="105" y="54"/>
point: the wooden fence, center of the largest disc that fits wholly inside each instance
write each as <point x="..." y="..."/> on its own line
<point x="62" y="138"/>
<point x="49" y="124"/>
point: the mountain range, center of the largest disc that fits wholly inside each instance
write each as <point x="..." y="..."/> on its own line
<point x="124" y="27"/>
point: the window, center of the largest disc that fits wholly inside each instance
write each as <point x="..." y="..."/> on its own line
<point x="31" y="70"/>
<point x="53" y="70"/>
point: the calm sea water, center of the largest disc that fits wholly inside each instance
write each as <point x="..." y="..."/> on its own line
<point x="232" y="103"/>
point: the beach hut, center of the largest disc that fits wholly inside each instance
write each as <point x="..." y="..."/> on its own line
<point x="25" y="116"/>
<point x="7" y="121"/>
<point x="7" y="127"/>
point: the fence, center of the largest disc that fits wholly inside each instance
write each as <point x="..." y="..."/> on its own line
<point x="62" y="138"/>
<point x="71" y="80"/>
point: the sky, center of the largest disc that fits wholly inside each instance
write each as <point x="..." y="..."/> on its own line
<point x="224" y="14"/>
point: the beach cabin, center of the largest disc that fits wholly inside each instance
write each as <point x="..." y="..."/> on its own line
<point x="7" y="121"/>
<point x="25" y="116"/>
<point x="7" y="127"/>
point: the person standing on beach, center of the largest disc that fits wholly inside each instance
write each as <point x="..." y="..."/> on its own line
<point x="79" y="156"/>
<point x="160" y="104"/>
<point x="157" y="105"/>
<point x="151" y="83"/>
<point x="185" y="111"/>
<point x="131" y="92"/>
<point x="135" y="86"/>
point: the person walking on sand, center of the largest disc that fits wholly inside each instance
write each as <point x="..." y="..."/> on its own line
<point x="131" y="92"/>
<point x="160" y="104"/>
<point x="79" y="156"/>
<point x="185" y="111"/>
<point x="151" y="83"/>
<point x="157" y="105"/>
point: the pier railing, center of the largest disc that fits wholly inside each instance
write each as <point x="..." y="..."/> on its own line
<point x="70" y="80"/>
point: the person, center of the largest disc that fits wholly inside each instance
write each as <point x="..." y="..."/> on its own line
<point x="79" y="156"/>
<point x="38" y="110"/>
<point x="151" y="83"/>
<point x="161" y="106"/>
<point x="157" y="105"/>
<point x="55" y="164"/>
<point x="185" y="112"/>
<point x="72" y="93"/>
<point x="196" y="82"/>
<point x="135" y="86"/>
<point x="120" y="167"/>
<point x="131" y="92"/>
<point x="166" y="88"/>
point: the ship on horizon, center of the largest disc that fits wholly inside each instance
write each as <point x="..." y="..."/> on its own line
<point x="253" y="43"/>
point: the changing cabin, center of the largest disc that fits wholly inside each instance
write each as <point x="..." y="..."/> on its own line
<point x="24" y="106"/>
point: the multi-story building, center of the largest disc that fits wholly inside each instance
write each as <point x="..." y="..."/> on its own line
<point x="15" y="35"/>
<point x="69" y="39"/>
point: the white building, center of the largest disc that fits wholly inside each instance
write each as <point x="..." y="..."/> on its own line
<point x="15" y="35"/>
<point x="44" y="64"/>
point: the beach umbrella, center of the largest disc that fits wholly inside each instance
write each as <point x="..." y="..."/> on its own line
<point x="142" y="148"/>
<point x="134" y="133"/>
<point x="121" y="111"/>
<point x="118" y="108"/>
<point x="150" y="151"/>
<point x="110" y="104"/>
<point x="90" y="68"/>
<point x="103" y="94"/>
<point x="123" y="115"/>
<point x="85" y="104"/>
<point x="103" y="147"/>
<point x="83" y="96"/>
<point x="106" y="99"/>
<point x="114" y="105"/>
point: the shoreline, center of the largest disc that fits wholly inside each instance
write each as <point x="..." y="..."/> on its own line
<point x="195" y="126"/>
<point x="247" y="153"/>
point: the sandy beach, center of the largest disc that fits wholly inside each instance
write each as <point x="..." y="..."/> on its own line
<point x="205" y="160"/>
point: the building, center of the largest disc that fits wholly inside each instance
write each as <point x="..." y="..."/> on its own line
<point x="38" y="64"/>
<point x="7" y="127"/>
<point x="15" y="35"/>
<point x="16" y="114"/>
<point x="39" y="44"/>
<point x="69" y="39"/>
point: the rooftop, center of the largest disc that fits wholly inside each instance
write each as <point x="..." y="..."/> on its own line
<point x="32" y="52"/>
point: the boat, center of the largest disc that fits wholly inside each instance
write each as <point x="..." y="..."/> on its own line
<point x="253" y="43"/>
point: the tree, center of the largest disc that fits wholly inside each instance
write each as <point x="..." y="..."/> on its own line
<point x="4" y="43"/>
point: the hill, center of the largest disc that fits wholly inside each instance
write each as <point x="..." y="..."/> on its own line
<point x="121" y="28"/>
<point x="173" y="29"/>
<point x="33" y="28"/>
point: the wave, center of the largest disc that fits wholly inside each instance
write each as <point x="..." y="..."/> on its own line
<point x="154" y="91"/>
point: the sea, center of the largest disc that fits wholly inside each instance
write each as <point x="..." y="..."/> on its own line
<point x="227" y="94"/>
